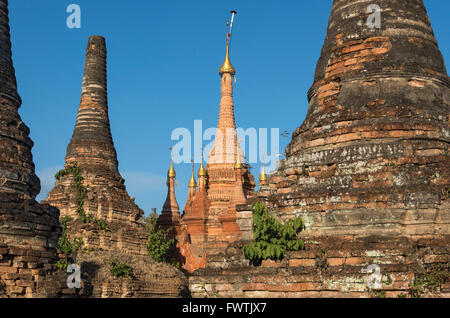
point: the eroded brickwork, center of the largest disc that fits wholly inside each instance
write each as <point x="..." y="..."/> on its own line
<point x="92" y="149"/>
<point x="28" y="230"/>
<point x="375" y="139"/>
<point x="367" y="170"/>
<point x="125" y="239"/>
<point x="328" y="267"/>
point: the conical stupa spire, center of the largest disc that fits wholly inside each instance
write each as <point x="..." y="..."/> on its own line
<point x="170" y="211"/>
<point x="16" y="162"/>
<point x="192" y="188"/>
<point x="92" y="146"/>
<point x="25" y="225"/>
<point x="92" y="149"/>
<point x="192" y="181"/>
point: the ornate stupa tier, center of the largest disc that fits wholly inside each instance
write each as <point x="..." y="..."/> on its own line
<point x="226" y="150"/>
<point x="210" y="214"/>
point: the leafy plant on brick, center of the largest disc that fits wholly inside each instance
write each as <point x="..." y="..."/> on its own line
<point x="120" y="269"/>
<point x="62" y="264"/>
<point x="159" y="244"/>
<point x="82" y="192"/>
<point x="271" y="238"/>
<point x="378" y="294"/>
<point x="64" y="243"/>
<point x="429" y="281"/>
<point x="446" y="193"/>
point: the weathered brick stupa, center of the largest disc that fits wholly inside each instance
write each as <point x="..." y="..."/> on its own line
<point x="91" y="151"/>
<point x="375" y="139"/>
<point x="367" y="170"/>
<point x="28" y="230"/>
<point x="92" y="193"/>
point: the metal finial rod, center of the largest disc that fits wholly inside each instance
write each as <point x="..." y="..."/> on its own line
<point x="232" y="19"/>
<point x="233" y="13"/>
<point x="171" y="152"/>
<point x="264" y="157"/>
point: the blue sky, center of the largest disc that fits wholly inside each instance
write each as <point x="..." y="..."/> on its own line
<point x="163" y="61"/>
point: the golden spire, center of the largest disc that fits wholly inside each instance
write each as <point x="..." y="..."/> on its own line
<point x="238" y="164"/>
<point x="192" y="182"/>
<point x="226" y="66"/>
<point x="171" y="172"/>
<point x="202" y="170"/>
<point x="263" y="175"/>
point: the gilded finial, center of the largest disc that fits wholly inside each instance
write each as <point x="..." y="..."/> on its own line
<point x="238" y="164"/>
<point x="192" y="182"/>
<point x="263" y="175"/>
<point x="227" y="67"/>
<point x="202" y="170"/>
<point x="171" y="172"/>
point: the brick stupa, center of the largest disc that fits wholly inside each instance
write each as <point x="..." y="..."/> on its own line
<point x="367" y="170"/>
<point x="125" y="240"/>
<point x="376" y="136"/>
<point x="209" y="223"/>
<point x="28" y="230"/>
<point x="92" y="149"/>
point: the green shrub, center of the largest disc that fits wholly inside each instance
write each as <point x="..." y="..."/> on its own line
<point x="82" y="190"/>
<point x="429" y="281"/>
<point x="378" y="294"/>
<point x="159" y="244"/>
<point x="64" y="244"/>
<point x="120" y="270"/>
<point x="271" y="238"/>
<point x="62" y="264"/>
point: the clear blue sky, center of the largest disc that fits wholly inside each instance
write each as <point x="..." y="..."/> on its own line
<point x="163" y="61"/>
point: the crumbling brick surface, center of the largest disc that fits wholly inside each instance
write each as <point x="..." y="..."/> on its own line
<point x="147" y="279"/>
<point x="328" y="267"/>
<point x="367" y="170"/>
<point x="28" y="230"/>
<point x="375" y="141"/>
<point x="92" y="149"/>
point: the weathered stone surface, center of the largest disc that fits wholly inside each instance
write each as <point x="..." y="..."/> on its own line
<point x="330" y="267"/>
<point x="92" y="149"/>
<point x="148" y="279"/>
<point x="375" y="141"/>
<point x="28" y="230"/>
<point x="367" y="170"/>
